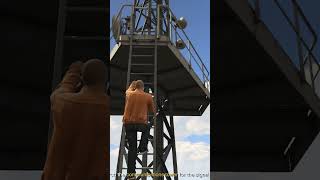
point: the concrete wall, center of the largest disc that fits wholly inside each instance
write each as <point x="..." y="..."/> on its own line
<point x="308" y="168"/>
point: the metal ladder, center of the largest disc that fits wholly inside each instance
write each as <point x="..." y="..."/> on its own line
<point x="141" y="65"/>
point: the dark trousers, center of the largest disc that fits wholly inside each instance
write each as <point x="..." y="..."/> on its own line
<point x="131" y="135"/>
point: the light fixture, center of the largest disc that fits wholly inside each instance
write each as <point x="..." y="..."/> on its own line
<point x="180" y="44"/>
<point x="182" y="23"/>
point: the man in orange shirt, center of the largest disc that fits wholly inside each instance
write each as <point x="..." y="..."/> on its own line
<point x="138" y="103"/>
<point x="79" y="147"/>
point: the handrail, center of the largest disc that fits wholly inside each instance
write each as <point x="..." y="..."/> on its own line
<point x="205" y="79"/>
<point x="202" y="66"/>
<point x="298" y="12"/>
<point x="195" y="56"/>
<point x="315" y="38"/>
<point x="118" y="15"/>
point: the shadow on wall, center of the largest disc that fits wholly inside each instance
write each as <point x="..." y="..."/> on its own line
<point x="308" y="168"/>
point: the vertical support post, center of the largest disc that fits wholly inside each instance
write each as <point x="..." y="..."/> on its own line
<point x="58" y="58"/>
<point x="311" y="71"/>
<point x="149" y="16"/>
<point x="167" y="18"/>
<point x="173" y="141"/>
<point x="121" y="154"/>
<point x="159" y="148"/>
<point x="159" y="17"/>
<point x="299" y="46"/>
<point x="170" y="25"/>
<point x="144" y="162"/>
<point x="119" y="29"/>
<point x="133" y="16"/>
<point x="189" y="53"/>
<point x="202" y="70"/>
<point x="158" y="134"/>
<point x="175" y="34"/>
<point x="123" y="134"/>
<point x="130" y="48"/>
<point x="257" y="10"/>
<point x="158" y="22"/>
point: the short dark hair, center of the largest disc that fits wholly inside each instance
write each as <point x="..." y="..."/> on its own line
<point x="94" y="72"/>
<point x="139" y="84"/>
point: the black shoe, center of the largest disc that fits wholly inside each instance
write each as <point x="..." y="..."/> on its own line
<point x="143" y="151"/>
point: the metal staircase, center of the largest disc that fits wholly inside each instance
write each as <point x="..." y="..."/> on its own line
<point x="141" y="65"/>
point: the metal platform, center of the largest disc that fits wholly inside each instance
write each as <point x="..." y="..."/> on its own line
<point x="189" y="94"/>
<point x="261" y="117"/>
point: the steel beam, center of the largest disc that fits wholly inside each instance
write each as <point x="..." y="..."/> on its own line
<point x="58" y="59"/>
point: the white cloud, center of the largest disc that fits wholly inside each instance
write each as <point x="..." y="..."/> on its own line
<point x="192" y="125"/>
<point x="198" y="151"/>
<point x="198" y="127"/>
<point x="115" y="129"/>
<point x="113" y="160"/>
<point x="193" y="158"/>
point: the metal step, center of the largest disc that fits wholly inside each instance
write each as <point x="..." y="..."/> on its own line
<point x="142" y="47"/>
<point x="141" y="168"/>
<point x="148" y="140"/>
<point x="142" y="64"/>
<point x="143" y="40"/>
<point x="145" y="74"/>
<point x="142" y="55"/>
<point x="148" y="154"/>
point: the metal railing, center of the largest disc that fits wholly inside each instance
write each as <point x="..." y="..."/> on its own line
<point x="193" y="56"/>
<point x="189" y="52"/>
<point x="309" y="66"/>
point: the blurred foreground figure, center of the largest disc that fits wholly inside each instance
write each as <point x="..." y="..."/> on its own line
<point x="79" y="147"/>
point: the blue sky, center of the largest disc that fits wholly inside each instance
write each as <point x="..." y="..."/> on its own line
<point x="192" y="133"/>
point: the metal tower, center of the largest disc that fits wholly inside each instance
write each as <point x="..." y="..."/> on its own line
<point x="147" y="47"/>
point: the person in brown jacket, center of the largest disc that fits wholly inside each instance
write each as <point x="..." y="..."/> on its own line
<point x="138" y="103"/>
<point x="79" y="147"/>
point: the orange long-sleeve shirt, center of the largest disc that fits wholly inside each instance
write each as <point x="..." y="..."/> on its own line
<point x="138" y="103"/>
<point x="79" y="147"/>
